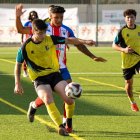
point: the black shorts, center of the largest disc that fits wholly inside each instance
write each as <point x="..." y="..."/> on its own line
<point x="128" y="73"/>
<point x="51" y="79"/>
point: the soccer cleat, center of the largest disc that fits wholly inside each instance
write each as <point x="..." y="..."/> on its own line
<point x="68" y="129"/>
<point x="31" y="112"/>
<point x="134" y="107"/>
<point x="69" y="125"/>
<point x="62" y="131"/>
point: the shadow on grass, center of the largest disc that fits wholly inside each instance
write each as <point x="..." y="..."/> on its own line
<point x="82" y="107"/>
<point x="108" y="134"/>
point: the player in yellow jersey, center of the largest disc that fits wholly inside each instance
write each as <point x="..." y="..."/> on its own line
<point x="56" y="21"/>
<point x="39" y="52"/>
<point x="128" y="43"/>
<point x="32" y="15"/>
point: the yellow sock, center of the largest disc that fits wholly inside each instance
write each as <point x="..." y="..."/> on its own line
<point x="54" y="114"/>
<point x="69" y="110"/>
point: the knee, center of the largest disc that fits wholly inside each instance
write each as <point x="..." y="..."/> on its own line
<point x="128" y="82"/>
<point x="46" y="99"/>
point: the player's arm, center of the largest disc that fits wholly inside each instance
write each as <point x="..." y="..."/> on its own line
<point x="18" y="88"/>
<point x="88" y="42"/>
<point x="120" y="45"/>
<point x="17" y="71"/>
<point x="77" y="41"/>
<point x="20" y="28"/>
<point x="70" y="40"/>
<point x="22" y="36"/>
<point x="116" y="46"/>
<point x="84" y="50"/>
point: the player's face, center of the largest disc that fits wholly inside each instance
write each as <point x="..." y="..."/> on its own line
<point x="130" y="20"/>
<point x="39" y="35"/>
<point x="33" y="16"/>
<point x="57" y="19"/>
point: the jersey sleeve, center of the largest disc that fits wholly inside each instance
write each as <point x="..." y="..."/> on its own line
<point x="58" y="40"/>
<point x="119" y="40"/>
<point x="19" y="57"/>
<point x="71" y="33"/>
<point x="69" y="30"/>
<point x="26" y="24"/>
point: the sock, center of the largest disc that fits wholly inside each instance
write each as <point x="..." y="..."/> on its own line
<point x="69" y="123"/>
<point x="64" y="114"/>
<point x="38" y="102"/>
<point x="131" y="99"/>
<point x="34" y="105"/>
<point x="54" y="114"/>
<point x="69" y="110"/>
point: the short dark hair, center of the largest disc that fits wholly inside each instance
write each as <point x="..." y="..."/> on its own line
<point x="50" y="6"/>
<point x="39" y="24"/>
<point x="129" y="12"/>
<point x="30" y="17"/>
<point x="57" y="9"/>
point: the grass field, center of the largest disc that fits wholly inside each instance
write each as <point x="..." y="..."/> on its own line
<point x="102" y="113"/>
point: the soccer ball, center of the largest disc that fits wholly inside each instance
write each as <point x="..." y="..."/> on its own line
<point x="73" y="90"/>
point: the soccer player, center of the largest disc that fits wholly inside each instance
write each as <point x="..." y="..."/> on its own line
<point x="127" y="42"/>
<point x="55" y="27"/>
<point x="48" y="19"/>
<point x="39" y="52"/>
<point x="32" y="15"/>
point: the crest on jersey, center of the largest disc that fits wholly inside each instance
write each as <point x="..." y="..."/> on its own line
<point x="32" y="52"/>
<point x="127" y="35"/>
<point x="64" y="33"/>
<point x="138" y="33"/>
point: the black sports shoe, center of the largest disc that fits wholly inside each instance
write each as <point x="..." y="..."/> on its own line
<point x="62" y="131"/>
<point x="31" y="112"/>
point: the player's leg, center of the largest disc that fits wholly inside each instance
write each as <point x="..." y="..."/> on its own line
<point x="67" y="77"/>
<point x="33" y="107"/>
<point x="45" y="94"/>
<point x="69" y="104"/>
<point x="128" y="89"/>
<point x="128" y="76"/>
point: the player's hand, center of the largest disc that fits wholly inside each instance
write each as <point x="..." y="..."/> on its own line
<point x="19" y="9"/>
<point x="90" y="42"/>
<point x="128" y="50"/>
<point x="99" y="59"/>
<point x="18" y="89"/>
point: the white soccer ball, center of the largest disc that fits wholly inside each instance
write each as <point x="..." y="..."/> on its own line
<point x="73" y="90"/>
